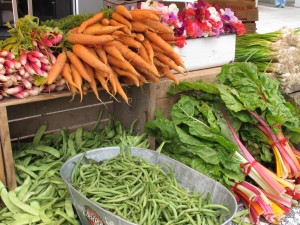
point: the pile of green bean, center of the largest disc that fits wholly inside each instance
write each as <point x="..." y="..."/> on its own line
<point x="143" y="193"/>
<point x="42" y="196"/>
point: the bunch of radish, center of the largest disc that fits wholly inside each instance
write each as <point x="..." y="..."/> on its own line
<point x="17" y="76"/>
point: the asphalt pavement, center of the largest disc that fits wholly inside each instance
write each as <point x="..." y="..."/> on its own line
<point x="272" y="18"/>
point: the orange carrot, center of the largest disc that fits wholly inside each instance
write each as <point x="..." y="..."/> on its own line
<point x="125" y="29"/>
<point x="149" y="10"/>
<point x="156" y="48"/>
<point x="128" y="74"/>
<point x="57" y="67"/>
<point x="159" y="41"/>
<point x="133" y="57"/>
<point x="114" y="51"/>
<point x="105" y="21"/>
<point x="167" y="37"/>
<point x="92" y="83"/>
<point x="121" y="19"/>
<point x="140" y="37"/>
<point x="149" y="49"/>
<point x="121" y="64"/>
<point x="79" y="65"/>
<point x="157" y="26"/>
<point x="120" y="89"/>
<point x="138" y="26"/>
<point x="147" y="73"/>
<point x="169" y="62"/>
<point x="158" y="63"/>
<point x="142" y="15"/>
<point x="98" y="29"/>
<point x="93" y="52"/>
<point x="101" y="53"/>
<point x="77" y="79"/>
<point x="85" y="39"/>
<point x="74" y="30"/>
<point x="144" y="54"/>
<point x="129" y="41"/>
<point x="66" y="72"/>
<point x="176" y="58"/>
<point x="83" y="53"/>
<point x="167" y="72"/>
<point x="122" y="10"/>
<point x="118" y="33"/>
<point x="90" y="21"/>
<point x="112" y="80"/>
<point x="102" y="80"/>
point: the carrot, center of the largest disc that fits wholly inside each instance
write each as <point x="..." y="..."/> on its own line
<point x="120" y="89"/>
<point x="133" y="57"/>
<point x="159" y="41"/>
<point x="102" y="80"/>
<point x="105" y="21"/>
<point x="74" y="30"/>
<point x="149" y="10"/>
<point x="144" y="54"/>
<point x="156" y="48"/>
<point x="93" y="52"/>
<point x="90" y="21"/>
<point x="157" y="26"/>
<point x="169" y="62"/>
<point x="122" y="64"/>
<point x="158" y="63"/>
<point x="129" y="41"/>
<point x="138" y="26"/>
<point x="125" y="29"/>
<point x="92" y="83"/>
<point x="85" y="39"/>
<point x="167" y="36"/>
<point x="112" y="50"/>
<point x="121" y="19"/>
<point x="66" y="72"/>
<point x="176" y="58"/>
<point x="77" y="79"/>
<point x="122" y="10"/>
<point x="75" y="60"/>
<point x="83" y="53"/>
<point x="167" y="72"/>
<point x="57" y="67"/>
<point x="128" y="74"/>
<point x="101" y="53"/>
<point x="143" y="14"/>
<point x="147" y="73"/>
<point x="118" y="33"/>
<point x="149" y="49"/>
<point x="140" y="37"/>
<point x="98" y="29"/>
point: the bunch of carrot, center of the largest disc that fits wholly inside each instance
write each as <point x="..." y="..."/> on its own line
<point x="129" y="47"/>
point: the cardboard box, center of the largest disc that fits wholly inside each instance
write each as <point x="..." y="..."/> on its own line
<point x="202" y="53"/>
<point x="250" y="27"/>
<point x="113" y="3"/>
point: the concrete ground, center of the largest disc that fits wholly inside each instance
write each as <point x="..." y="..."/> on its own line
<point x="272" y="18"/>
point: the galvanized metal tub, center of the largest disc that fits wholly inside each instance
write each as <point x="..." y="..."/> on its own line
<point x="90" y="213"/>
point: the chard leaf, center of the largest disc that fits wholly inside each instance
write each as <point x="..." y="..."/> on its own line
<point x="193" y="86"/>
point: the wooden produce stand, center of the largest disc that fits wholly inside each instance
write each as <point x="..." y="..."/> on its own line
<point x="20" y="118"/>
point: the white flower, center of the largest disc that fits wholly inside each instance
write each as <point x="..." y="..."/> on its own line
<point x="214" y="15"/>
<point x="173" y="9"/>
<point x="146" y="4"/>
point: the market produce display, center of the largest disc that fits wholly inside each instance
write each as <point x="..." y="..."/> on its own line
<point x="221" y="116"/>
<point x="276" y="53"/>
<point x="143" y="193"/>
<point x="42" y="196"/>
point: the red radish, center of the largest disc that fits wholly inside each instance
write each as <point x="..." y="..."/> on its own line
<point x="29" y="69"/>
<point x="30" y="79"/>
<point x="10" y="55"/>
<point x="52" y="58"/>
<point x="13" y="90"/>
<point x="8" y="83"/>
<point x="2" y="60"/>
<point x="17" y="65"/>
<point x="3" y="53"/>
<point x="58" y="38"/>
<point x="45" y="67"/>
<point x="41" y="46"/>
<point x="34" y="91"/>
<point x="60" y="88"/>
<point x="1" y="97"/>
<point x="31" y="58"/>
<point x="61" y="82"/>
<point x="46" y="42"/>
<point x="50" y="87"/>
<point x="26" y="84"/>
<point x="2" y="71"/>
<point x="44" y="74"/>
<point x="26" y="75"/>
<point x="34" y="42"/>
<point x="9" y="71"/>
<point x="22" y="94"/>
<point x="36" y="68"/>
<point x="18" y="77"/>
<point x="38" y="63"/>
<point x="14" y="80"/>
<point x="44" y="60"/>
<point x="23" y="58"/>
<point x="22" y="71"/>
<point x="9" y="63"/>
<point x="3" y="78"/>
<point x="1" y="66"/>
<point x="36" y="54"/>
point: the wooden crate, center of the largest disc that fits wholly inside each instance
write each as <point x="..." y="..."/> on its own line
<point x="20" y="118"/>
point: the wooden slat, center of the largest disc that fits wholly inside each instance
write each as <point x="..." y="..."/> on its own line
<point x="2" y="170"/>
<point x="7" y="150"/>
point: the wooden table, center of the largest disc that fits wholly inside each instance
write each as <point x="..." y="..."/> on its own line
<point x="144" y="102"/>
